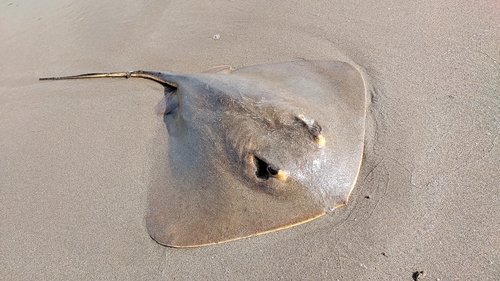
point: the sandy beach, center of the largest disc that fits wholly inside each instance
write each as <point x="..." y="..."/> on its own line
<point x="77" y="157"/>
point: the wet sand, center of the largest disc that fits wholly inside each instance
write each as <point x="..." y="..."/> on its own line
<point x="76" y="157"/>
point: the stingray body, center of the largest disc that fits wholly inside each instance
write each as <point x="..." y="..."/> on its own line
<point x="254" y="150"/>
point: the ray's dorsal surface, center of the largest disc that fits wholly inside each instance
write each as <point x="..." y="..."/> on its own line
<point x="254" y="150"/>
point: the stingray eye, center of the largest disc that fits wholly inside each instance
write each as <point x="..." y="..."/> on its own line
<point x="262" y="166"/>
<point x="272" y="171"/>
<point x="265" y="170"/>
<point x="313" y="128"/>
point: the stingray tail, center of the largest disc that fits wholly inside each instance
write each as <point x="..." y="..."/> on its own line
<point x="157" y="76"/>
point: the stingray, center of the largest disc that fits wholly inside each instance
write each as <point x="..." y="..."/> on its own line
<point x="254" y="150"/>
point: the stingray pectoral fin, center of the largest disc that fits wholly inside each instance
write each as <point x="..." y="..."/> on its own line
<point x="285" y="226"/>
<point x="185" y="217"/>
<point x="190" y="205"/>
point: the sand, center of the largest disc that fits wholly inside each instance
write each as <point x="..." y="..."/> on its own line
<point x="76" y="156"/>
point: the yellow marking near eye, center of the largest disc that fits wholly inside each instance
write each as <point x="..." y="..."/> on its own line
<point x="281" y="175"/>
<point x="320" y="141"/>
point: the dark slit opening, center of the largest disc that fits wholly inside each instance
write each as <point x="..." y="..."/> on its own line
<point x="262" y="169"/>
